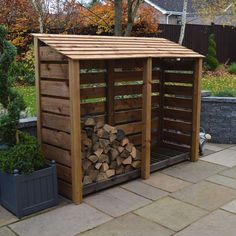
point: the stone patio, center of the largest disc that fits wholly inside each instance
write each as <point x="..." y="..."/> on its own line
<point x="186" y="199"/>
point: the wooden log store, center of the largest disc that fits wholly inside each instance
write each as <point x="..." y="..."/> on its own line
<point x="147" y="87"/>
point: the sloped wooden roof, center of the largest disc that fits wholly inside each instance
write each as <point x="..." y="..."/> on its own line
<point x="109" y="47"/>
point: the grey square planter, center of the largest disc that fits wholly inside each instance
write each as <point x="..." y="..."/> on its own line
<point x="26" y="194"/>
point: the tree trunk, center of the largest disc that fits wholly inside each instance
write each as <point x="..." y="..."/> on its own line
<point x="39" y="11"/>
<point x="183" y="22"/>
<point x="118" y="17"/>
<point x="132" y="11"/>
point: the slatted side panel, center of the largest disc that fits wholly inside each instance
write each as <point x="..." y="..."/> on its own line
<point x="55" y="114"/>
<point x="176" y="102"/>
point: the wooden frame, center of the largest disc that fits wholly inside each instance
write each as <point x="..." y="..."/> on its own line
<point x="158" y="107"/>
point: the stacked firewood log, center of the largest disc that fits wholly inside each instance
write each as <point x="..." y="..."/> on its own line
<point x="106" y="152"/>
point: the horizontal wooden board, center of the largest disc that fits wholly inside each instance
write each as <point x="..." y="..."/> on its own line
<point x="65" y="189"/>
<point x="96" y="92"/>
<point x="179" y="78"/>
<point x="177" y="138"/>
<point x="59" y="155"/>
<point x="131" y="128"/>
<point x="47" y="53"/>
<point x="54" y="88"/>
<point x="55" y="105"/>
<point x="184" y="65"/>
<point x="177" y="126"/>
<point x="178" y="102"/>
<point x="177" y="114"/>
<point x="56" y="122"/>
<point x="92" y="78"/>
<point x="54" y="71"/>
<point x="56" y="138"/>
<point x="176" y="146"/>
<point x="178" y="90"/>
<point x="95" y="64"/>
<point x="92" y="108"/>
<point x="64" y="173"/>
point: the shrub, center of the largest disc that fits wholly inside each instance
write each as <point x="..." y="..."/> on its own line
<point x="225" y="93"/>
<point x="211" y="60"/>
<point x="22" y="72"/>
<point x="10" y="100"/>
<point x="25" y="157"/>
<point x="232" y="68"/>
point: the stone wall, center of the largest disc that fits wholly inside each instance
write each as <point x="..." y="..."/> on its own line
<point x="218" y="118"/>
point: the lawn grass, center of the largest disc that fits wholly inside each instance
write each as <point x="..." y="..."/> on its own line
<point x="217" y="84"/>
<point x="28" y="93"/>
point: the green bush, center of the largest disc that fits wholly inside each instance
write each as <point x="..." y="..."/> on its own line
<point x="22" y="72"/>
<point x="25" y="157"/>
<point x="232" y="68"/>
<point x="211" y="60"/>
<point x="10" y="99"/>
<point x="225" y="93"/>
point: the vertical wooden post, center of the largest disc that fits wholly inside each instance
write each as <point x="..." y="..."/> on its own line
<point x="37" y="85"/>
<point x="110" y="93"/>
<point x="76" y="165"/>
<point x="196" y="109"/>
<point x="146" y="118"/>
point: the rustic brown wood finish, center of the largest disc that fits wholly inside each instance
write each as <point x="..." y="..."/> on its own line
<point x="149" y="87"/>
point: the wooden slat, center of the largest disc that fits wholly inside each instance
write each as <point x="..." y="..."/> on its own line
<point x="178" y="90"/>
<point x="74" y="78"/>
<point x="146" y="118"/>
<point x="55" y="105"/>
<point x="49" y="54"/>
<point x="185" y="65"/>
<point x="178" y="102"/>
<point x="131" y="128"/>
<point x="178" y="126"/>
<point x="196" y="110"/>
<point x="176" y="146"/>
<point x="56" y="138"/>
<point x="177" y="138"/>
<point x="92" y="78"/>
<point x="93" y="108"/>
<point x="56" y="122"/>
<point x="65" y="189"/>
<point x="96" y="64"/>
<point x="98" y="92"/>
<point x="179" y="78"/>
<point x="54" y="71"/>
<point x="55" y="88"/>
<point x="64" y="173"/>
<point x="38" y="89"/>
<point x="59" y="155"/>
<point x="177" y="114"/>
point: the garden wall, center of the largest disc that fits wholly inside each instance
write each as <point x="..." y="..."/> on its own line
<point x="218" y="118"/>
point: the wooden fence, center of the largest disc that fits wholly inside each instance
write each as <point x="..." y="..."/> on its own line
<point x="196" y="38"/>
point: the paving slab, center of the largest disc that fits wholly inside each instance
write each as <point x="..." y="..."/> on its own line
<point x="206" y="195"/>
<point x="6" y="217"/>
<point x="223" y="180"/>
<point x="166" y="182"/>
<point x="194" y="171"/>
<point x="225" y="158"/>
<point x="218" y="223"/>
<point x="116" y="201"/>
<point x="144" y="190"/>
<point x="6" y="232"/>
<point x="65" y="221"/>
<point x="207" y="152"/>
<point x="233" y="148"/>
<point x="231" y="206"/>
<point x="229" y="173"/>
<point x="129" y="225"/>
<point x="214" y="147"/>
<point x="171" y="213"/>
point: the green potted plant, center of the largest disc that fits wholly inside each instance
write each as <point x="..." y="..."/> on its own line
<point x="27" y="184"/>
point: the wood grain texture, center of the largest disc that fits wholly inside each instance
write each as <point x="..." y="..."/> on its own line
<point x="146" y="118"/>
<point x="196" y="110"/>
<point x="76" y="162"/>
